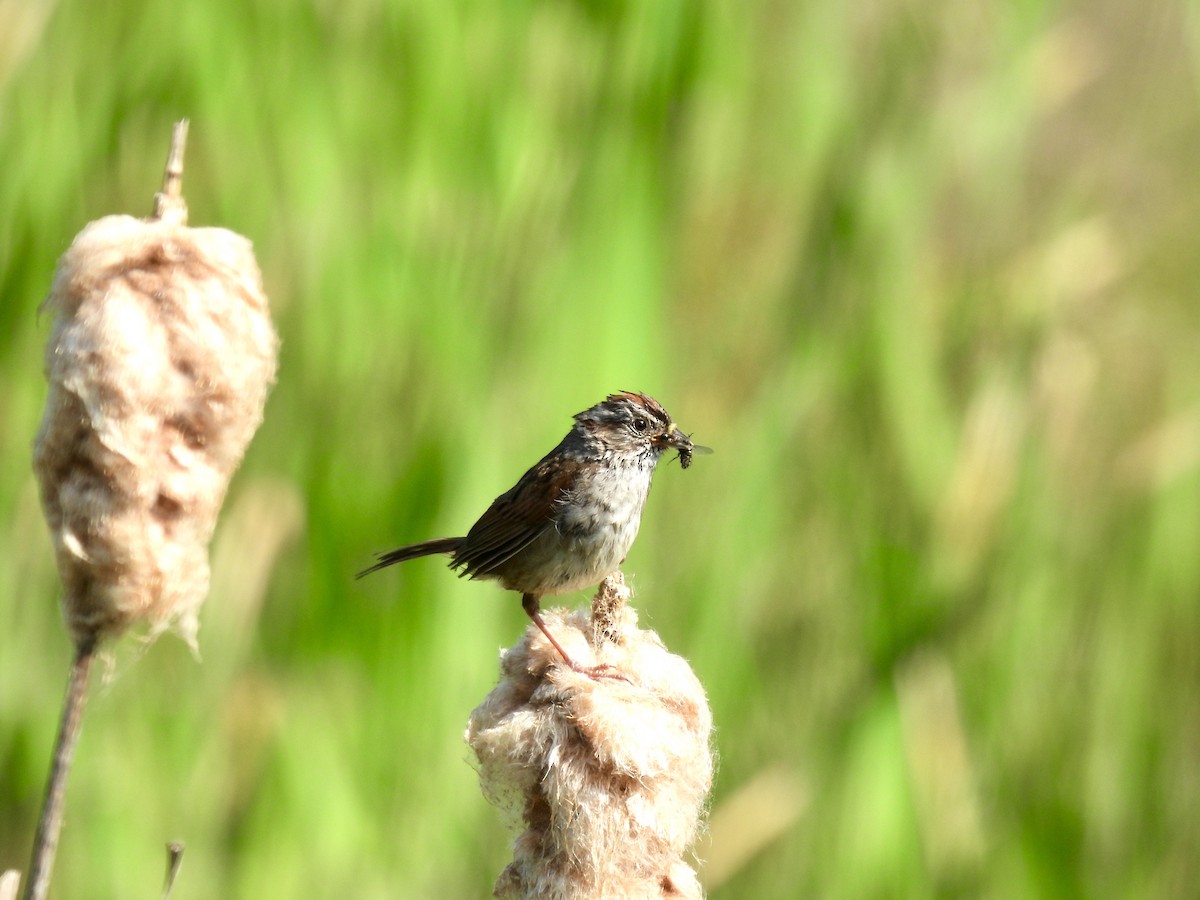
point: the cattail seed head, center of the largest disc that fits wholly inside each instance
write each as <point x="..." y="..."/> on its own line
<point x="608" y="775"/>
<point x="159" y="364"/>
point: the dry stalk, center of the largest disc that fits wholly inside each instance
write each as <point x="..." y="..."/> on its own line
<point x="174" y="861"/>
<point x="45" y="842"/>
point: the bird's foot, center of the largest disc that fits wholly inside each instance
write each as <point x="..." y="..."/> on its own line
<point x="604" y="670"/>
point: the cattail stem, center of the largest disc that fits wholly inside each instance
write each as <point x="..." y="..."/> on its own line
<point x="169" y="202"/>
<point x="45" y="843"/>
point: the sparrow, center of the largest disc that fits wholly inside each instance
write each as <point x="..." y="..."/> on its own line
<point x="571" y="519"/>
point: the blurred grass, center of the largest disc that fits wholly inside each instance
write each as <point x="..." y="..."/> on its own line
<point x="924" y="275"/>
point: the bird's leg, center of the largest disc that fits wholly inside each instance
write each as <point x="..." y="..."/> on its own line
<point x="529" y="602"/>
<point x="533" y="609"/>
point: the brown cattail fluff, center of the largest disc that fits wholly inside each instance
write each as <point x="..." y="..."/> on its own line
<point x="159" y="364"/>
<point x="608" y="776"/>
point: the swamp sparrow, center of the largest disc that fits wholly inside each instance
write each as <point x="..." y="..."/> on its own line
<point x="571" y="519"/>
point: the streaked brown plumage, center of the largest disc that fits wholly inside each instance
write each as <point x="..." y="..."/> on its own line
<point x="571" y="519"/>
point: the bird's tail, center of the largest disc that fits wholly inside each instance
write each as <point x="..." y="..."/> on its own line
<point x="412" y="551"/>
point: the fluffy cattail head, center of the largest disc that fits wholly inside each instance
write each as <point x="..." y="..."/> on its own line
<point x="608" y="774"/>
<point x="159" y="364"/>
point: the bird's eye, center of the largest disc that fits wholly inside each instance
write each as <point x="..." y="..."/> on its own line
<point x="640" y="423"/>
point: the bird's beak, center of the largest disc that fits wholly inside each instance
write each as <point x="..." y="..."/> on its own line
<point x="676" y="439"/>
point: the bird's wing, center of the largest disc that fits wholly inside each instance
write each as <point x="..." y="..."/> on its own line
<point x="516" y="518"/>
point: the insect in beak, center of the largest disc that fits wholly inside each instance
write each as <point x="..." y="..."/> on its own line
<point x="686" y="448"/>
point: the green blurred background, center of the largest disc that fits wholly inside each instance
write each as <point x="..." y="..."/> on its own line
<point x="924" y="274"/>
